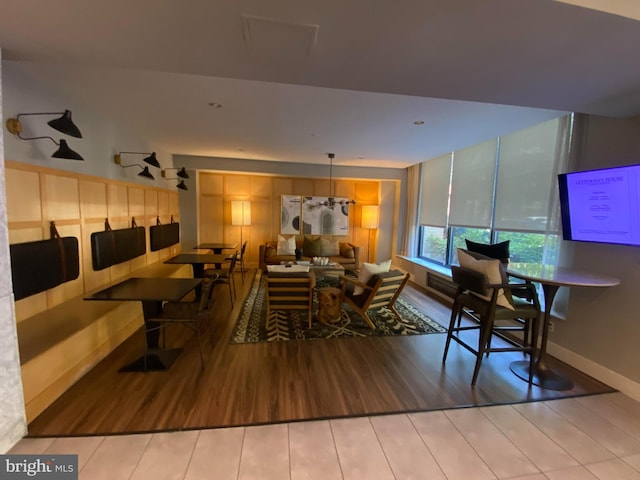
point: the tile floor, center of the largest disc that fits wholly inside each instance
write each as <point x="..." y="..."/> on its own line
<point x="595" y="437"/>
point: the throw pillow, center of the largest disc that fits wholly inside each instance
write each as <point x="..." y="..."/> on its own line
<point x="494" y="250"/>
<point x="367" y="270"/>
<point x="346" y="251"/>
<point x="329" y="247"/>
<point x="311" y="247"/>
<point x="494" y="271"/>
<point x="270" y="251"/>
<point x="286" y="246"/>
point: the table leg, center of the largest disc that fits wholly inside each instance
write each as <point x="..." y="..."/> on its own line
<point x="543" y="375"/>
<point x="155" y="358"/>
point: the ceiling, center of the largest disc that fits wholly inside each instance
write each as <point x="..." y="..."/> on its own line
<point x="297" y="79"/>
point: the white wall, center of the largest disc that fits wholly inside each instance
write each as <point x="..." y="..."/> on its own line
<point x="13" y="423"/>
<point x="603" y="324"/>
<point x="21" y="92"/>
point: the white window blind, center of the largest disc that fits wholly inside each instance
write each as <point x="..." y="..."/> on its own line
<point x="472" y="185"/>
<point x="434" y="198"/>
<point x="527" y="176"/>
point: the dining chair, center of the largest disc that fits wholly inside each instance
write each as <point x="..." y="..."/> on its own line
<point x="188" y="314"/>
<point x="500" y="251"/>
<point x="477" y="295"/>
<point x="243" y="249"/>
<point x="225" y="274"/>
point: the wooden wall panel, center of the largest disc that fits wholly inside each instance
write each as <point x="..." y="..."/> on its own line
<point x="237" y="185"/>
<point x="282" y="186"/>
<point x="136" y="202"/>
<point x="211" y="184"/>
<point x="23" y="196"/>
<point x="261" y="186"/>
<point x="93" y="199"/>
<point x="303" y="186"/>
<point x="117" y="201"/>
<point x="61" y="200"/>
<point x="163" y="207"/>
<point x="265" y="194"/>
<point x="211" y="219"/>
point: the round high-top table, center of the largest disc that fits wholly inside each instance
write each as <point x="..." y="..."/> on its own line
<point x="551" y="278"/>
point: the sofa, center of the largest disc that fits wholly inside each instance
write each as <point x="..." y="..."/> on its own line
<point x="284" y="250"/>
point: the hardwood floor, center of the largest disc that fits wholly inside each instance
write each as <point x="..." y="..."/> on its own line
<point x="246" y="384"/>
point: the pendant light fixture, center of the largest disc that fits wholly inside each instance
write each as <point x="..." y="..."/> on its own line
<point x="331" y="202"/>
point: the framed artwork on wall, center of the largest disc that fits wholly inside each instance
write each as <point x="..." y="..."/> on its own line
<point x="319" y="218"/>
<point x="290" y="222"/>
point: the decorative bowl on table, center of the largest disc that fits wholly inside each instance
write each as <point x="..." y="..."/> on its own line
<point x="320" y="260"/>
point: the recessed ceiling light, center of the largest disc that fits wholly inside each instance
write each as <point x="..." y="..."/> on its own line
<point x="418" y="122"/>
<point x="215" y="105"/>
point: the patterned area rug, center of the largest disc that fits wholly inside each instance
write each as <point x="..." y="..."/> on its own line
<point x="253" y="326"/>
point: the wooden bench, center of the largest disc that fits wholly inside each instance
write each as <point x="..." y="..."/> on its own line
<point x="59" y="345"/>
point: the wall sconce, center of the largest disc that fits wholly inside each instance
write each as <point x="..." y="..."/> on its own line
<point x="182" y="173"/>
<point x="151" y="159"/>
<point x="145" y="170"/>
<point x="63" y="124"/>
<point x="371" y="220"/>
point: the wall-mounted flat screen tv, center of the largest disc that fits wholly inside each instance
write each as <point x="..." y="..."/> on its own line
<point x="601" y="206"/>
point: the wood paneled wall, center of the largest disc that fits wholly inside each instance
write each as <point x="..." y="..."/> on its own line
<point x="217" y="190"/>
<point x="79" y="205"/>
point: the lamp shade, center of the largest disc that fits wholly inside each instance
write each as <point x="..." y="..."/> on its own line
<point x="152" y="160"/>
<point x="182" y="185"/>
<point x="240" y="212"/>
<point x="182" y="173"/>
<point x="370" y="216"/>
<point x="65" y="125"/>
<point x="146" y="173"/>
<point x="65" y="152"/>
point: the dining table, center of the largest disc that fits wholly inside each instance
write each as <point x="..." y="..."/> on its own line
<point x="198" y="261"/>
<point x="551" y="278"/>
<point x="217" y="247"/>
<point x="151" y="292"/>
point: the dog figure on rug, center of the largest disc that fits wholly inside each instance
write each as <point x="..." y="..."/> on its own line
<point x="329" y="301"/>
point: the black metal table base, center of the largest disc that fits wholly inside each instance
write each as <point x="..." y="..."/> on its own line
<point x="156" y="361"/>
<point x="542" y="378"/>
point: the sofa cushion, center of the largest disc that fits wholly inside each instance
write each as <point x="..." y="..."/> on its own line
<point x="368" y="270"/>
<point x="494" y="250"/>
<point x="312" y="247"/>
<point x="329" y="247"/>
<point x="270" y="250"/>
<point x="494" y="271"/>
<point x="286" y="246"/>
<point x="346" y="251"/>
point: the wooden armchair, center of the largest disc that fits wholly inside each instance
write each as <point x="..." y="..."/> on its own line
<point x="290" y="291"/>
<point x="381" y="291"/>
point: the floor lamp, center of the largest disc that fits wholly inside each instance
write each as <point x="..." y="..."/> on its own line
<point x="241" y="216"/>
<point x="370" y="220"/>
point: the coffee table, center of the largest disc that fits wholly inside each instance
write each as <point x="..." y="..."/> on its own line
<point x="328" y="270"/>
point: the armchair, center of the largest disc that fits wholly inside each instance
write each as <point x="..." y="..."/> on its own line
<point x="290" y="291"/>
<point x="381" y="291"/>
